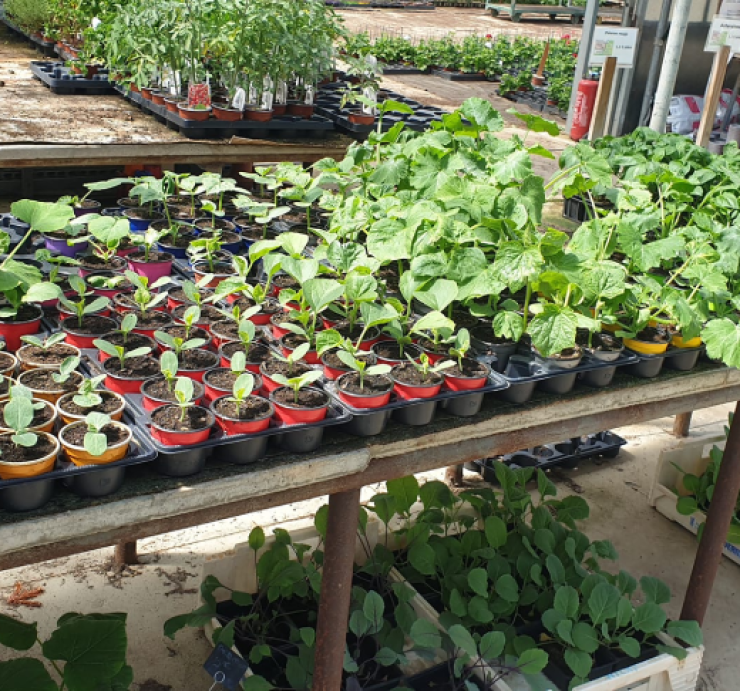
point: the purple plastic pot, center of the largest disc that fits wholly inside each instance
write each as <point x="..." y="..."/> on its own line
<point x="61" y="247"/>
<point x="152" y="270"/>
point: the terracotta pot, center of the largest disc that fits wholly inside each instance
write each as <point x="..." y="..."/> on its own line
<point x="27" y="364"/>
<point x="69" y="418"/>
<point x="123" y="385"/>
<point x="258" y="115"/>
<point x="15" y="471"/>
<point x="311" y="357"/>
<point x="279" y="110"/>
<point x="80" y="456"/>
<point x="146" y="92"/>
<point x="213" y="392"/>
<point x="409" y="391"/>
<point x="10" y="370"/>
<point x="172" y="104"/>
<point x="227" y="114"/>
<point x="301" y="110"/>
<point x="158" y="98"/>
<point x="234" y="426"/>
<point x="193" y="114"/>
<point x="359" y="118"/>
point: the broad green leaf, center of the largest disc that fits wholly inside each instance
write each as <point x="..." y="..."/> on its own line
<point x="536" y="123"/>
<point x="722" y="337"/>
<point x="572" y="509"/>
<point x="492" y="645"/>
<point x="390" y="172"/>
<point x="553" y="329"/>
<point x="649" y="618"/>
<point x="555" y="568"/>
<point x="655" y="590"/>
<point x="480" y="112"/>
<point x="405" y="492"/>
<point x="321" y="520"/>
<point x="43" y="217"/>
<point x="565" y="631"/>
<point x="687" y="631"/>
<point x="385" y="657"/>
<point x="585" y="637"/>
<point x="507" y="588"/>
<point x="425" y="634"/>
<point x="438" y="295"/>
<point x="436" y="494"/>
<point x="602" y="603"/>
<point x="631" y="646"/>
<point x="579" y="662"/>
<point x="457" y="603"/>
<point x="421" y="557"/>
<point x="478" y="581"/>
<point x="532" y="661"/>
<point x="463" y="640"/>
<point x="544" y="540"/>
<point x="373" y="608"/>
<point x="567" y="601"/>
<point x="16" y="634"/>
<point x="320" y="292"/>
<point x="479" y="611"/>
<point x="496" y="531"/>
<point x="25" y="674"/>
<point x="359" y="624"/>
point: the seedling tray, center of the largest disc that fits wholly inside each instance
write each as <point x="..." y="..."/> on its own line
<point x="650" y="366"/>
<point x="285" y="127"/>
<point x="460" y="76"/>
<point x="403" y="69"/>
<point x="369" y="422"/>
<point x="61" y="81"/>
<point x="27" y="494"/>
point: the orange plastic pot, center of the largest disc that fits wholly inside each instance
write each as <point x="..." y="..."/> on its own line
<point x="51" y="396"/>
<point x="17" y="471"/>
<point x="80" y="456"/>
<point x="69" y="418"/>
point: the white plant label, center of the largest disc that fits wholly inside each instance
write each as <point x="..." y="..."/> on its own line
<point x="240" y="99"/>
<point x="96" y="22"/>
<point x="252" y="93"/>
<point x="372" y="62"/>
<point x="309" y="96"/>
<point x="282" y="92"/>
<point x="371" y="95"/>
<point x="267" y="98"/>
<point x="267" y="83"/>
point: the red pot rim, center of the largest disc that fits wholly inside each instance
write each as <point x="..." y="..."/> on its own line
<point x="211" y="417"/>
<point x="269" y="414"/>
<point x="27" y="321"/>
<point x="415" y="386"/>
<point x="196" y="394"/>
<point x="390" y="359"/>
<point x="349" y="394"/>
<point x="473" y="378"/>
<point x="116" y="375"/>
<point x="258" y="379"/>
<point x="297" y="407"/>
<point x="202" y="369"/>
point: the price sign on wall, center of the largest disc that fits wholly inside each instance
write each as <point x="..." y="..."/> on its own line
<point x="614" y="42"/>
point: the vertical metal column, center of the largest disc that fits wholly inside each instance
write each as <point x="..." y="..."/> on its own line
<point x="681" y="425"/>
<point x="584" y="53"/>
<point x="721" y="511"/>
<point x="336" y="587"/>
<point x="124" y="553"/>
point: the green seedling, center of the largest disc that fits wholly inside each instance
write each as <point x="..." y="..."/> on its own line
<point x="425" y="367"/>
<point x="362" y="367"/>
<point x="184" y="391"/>
<point x="79" y="308"/>
<point x="105" y="235"/>
<point x="243" y="387"/>
<point x="44" y="343"/>
<point x="461" y="347"/>
<point x="192" y="290"/>
<point x="128" y="324"/>
<point x="238" y="364"/>
<point x="56" y="261"/>
<point x="18" y="416"/>
<point x="87" y="395"/>
<point x="179" y="345"/>
<point x="68" y="366"/>
<point x="149" y="240"/>
<point x="169" y="365"/>
<point x="298" y="383"/>
<point x="119" y="352"/>
<point x="190" y="318"/>
<point x="95" y="441"/>
<point x="144" y="297"/>
<point x="106" y="282"/>
<point x="292" y="358"/>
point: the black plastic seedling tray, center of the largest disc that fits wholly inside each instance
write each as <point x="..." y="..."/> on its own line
<point x="61" y="81"/>
<point x="403" y="69"/>
<point x="287" y="127"/>
<point x="416" y="412"/>
<point x="650" y="366"/>
<point x="28" y="494"/>
<point x="460" y="76"/>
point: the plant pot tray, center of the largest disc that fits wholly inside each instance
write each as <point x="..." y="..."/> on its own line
<point x="460" y="76"/>
<point x="650" y="366"/>
<point x="61" y="81"/>
<point x="88" y="481"/>
<point x="691" y="456"/>
<point x="281" y="127"/>
<point x="403" y="69"/>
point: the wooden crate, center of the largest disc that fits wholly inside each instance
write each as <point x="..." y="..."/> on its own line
<point x="691" y="456"/>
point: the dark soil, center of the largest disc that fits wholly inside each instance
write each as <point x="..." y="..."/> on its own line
<point x="76" y="435"/>
<point x="408" y="374"/>
<point x="109" y="405"/>
<point x="653" y="335"/>
<point x="441" y="349"/>
<point x="159" y="390"/>
<point x="251" y="409"/>
<point x="152" y="320"/>
<point x="343" y="328"/>
<point x="376" y="384"/>
<point x="223" y="379"/>
<point x="26" y="313"/>
<point x="143" y="214"/>
<point x="283" y="317"/>
<point x="55" y="355"/>
<point x="227" y="237"/>
<point x="59" y="235"/>
<point x="179" y="294"/>
<point x="168" y="417"/>
<point x="225" y="328"/>
<point x="464" y="319"/>
<point x="179" y="331"/>
<point x="182" y="240"/>
<point x="133" y="341"/>
<point x="40" y="417"/>
<point x="567" y="354"/>
<point x="134" y="368"/>
<point x="4" y="384"/>
<point x="10" y="453"/>
<point x="91" y="325"/>
<point x="208" y="313"/>
<point x="486" y="335"/>
<point x="333" y="361"/>
<point x="96" y="263"/>
<point x="285" y="281"/>
<point x="40" y="380"/>
<point x="269" y="306"/>
<point x="154" y="257"/>
<point x="196" y="360"/>
<point x="292" y="341"/>
<point x="307" y="398"/>
<point x="220" y="268"/>
<point x="271" y="367"/>
<point x="606" y="342"/>
<point x="256" y="232"/>
<point x="472" y="369"/>
<point x="218" y="223"/>
<point x="392" y="351"/>
<point x="87" y="204"/>
<point x="257" y="351"/>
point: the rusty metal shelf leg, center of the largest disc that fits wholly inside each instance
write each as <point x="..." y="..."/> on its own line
<point x="681" y="424"/>
<point x="719" y="517"/>
<point x="124" y="553"/>
<point x="336" y="587"/>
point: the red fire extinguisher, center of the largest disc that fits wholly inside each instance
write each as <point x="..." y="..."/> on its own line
<point x="584" y="108"/>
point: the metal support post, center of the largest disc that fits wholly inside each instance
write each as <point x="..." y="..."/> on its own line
<point x="336" y="587"/>
<point x="124" y="553"/>
<point x="730" y="108"/>
<point x="719" y="518"/>
<point x="660" y="34"/>
<point x="681" y="425"/>
<point x="587" y="34"/>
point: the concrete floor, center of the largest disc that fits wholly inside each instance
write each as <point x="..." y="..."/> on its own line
<point x="166" y="582"/>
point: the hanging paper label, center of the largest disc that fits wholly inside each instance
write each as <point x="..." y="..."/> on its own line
<point x="96" y="22"/>
<point x="252" y="93"/>
<point x="267" y="83"/>
<point x="309" y="96"/>
<point x="240" y="99"/>
<point x="371" y="95"/>
<point x="267" y="98"/>
<point x="282" y="92"/>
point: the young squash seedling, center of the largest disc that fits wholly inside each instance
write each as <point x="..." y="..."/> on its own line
<point x="298" y="383"/>
<point x="149" y="240"/>
<point x="238" y="364"/>
<point x="206" y="249"/>
<point x="105" y="235"/>
<point x="460" y="347"/>
<point x="45" y="344"/>
<point x="119" y="352"/>
<point x="80" y="308"/>
<point x="68" y="366"/>
<point x="56" y="261"/>
<point x="95" y="441"/>
<point x="106" y="282"/>
<point x="292" y="358"/>
<point x="87" y="395"/>
<point x="18" y="416"/>
<point x="361" y="367"/>
<point x="425" y="367"/>
<point x="144" y="297"/>
<point x="190" y="319"/>
<point x="128" y="324"/>
<point x="184" y="392"/>
<point x="168" y="366"/>
<point x="243" y="387"/>
<point x="192" y="290"/>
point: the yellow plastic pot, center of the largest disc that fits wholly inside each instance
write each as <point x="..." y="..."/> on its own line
<point x="79" y="456"/>
<point x="16" y="471"/>
<point x="51" y="396"/>
<point x="645" y="347"/>
<point x="678" y="342"/>
<point x="46" y="427"/>
<point x="5" y="395"/>
<point x="10" y="370"/>
<point x="27" y="364"/>
<point x="69" y="418"/>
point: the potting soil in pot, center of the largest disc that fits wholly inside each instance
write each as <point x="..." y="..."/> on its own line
<point x="90" y="325"/>
<point x="375" y="384"/>
<point x="408" y="374"/>
<point x="250" y="409"/>
<point x="134" y="368"/>
<point x="12" y="453"/>
<point x="169" y="418"/>
<point x="40" y="416"/>
<point x="197" y="359"/>
<point x="41" y="380"/>
<point x="306" y="398"/>
<point x="471" y="369"/>
<point x="55" y="355"/>
<point x="113" y="433"/>
<point x="108" y="405"/>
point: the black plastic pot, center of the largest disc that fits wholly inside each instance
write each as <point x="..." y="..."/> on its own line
<point x="598" y="378"/>
<point x="99" y="483"/>
<point x="502" y="351"/>
<point x="559" y="384"/>
<point x="182" y="463"/>
<point x="648" y="366"/>
<point x="28" y="496"/>
<point x="417" y="414"/>
<point x="370" y="424"/>
<point x="242" y="452"/>
<point x="464" y="406"/>
<point x="303" y="441"/>
<point x="682" y="359"/>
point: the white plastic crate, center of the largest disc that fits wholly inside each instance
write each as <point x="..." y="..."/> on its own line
<point x="692" y="457"/>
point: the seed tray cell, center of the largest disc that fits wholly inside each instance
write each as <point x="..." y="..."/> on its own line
<point x="460" y="76"/>
<point x="61" y="81"/>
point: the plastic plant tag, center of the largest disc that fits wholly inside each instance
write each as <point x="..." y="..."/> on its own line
<point x="372" y="62"/>
<point x="226" y="667"/>
<point x="282" y="92"/>
<point x="267" y="83"/>
<point x="371" y="95"/>
<point x="199" y="95"/>
<point x="309" y="96"/>
<point x="240" y="99"/>
<point x="267" y="100"/>
<point x="95" y="23"/>
<point x="252" y="93"/>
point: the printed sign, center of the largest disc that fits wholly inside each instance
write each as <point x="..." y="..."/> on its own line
<point x="723" y="32"/>
<point x="614" y="42"/>
<point x="226" y="667"/>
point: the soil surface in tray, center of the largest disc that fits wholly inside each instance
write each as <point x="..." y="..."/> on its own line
<point x="257" y="352"/>
<point x="269" y="306"/>
<point x="134" y="368"/>
<point x="154" y="257"/>
<point x="109" y="405"/>
<point x="440" y="349"/>
<point x="332" y="359"/>
<point x="208" y="313"/>
<point x="197" y="359"/>
<point x="159" y="389"/>
<point x="152" y="320"/>
<point x="652" y="335"/>
<point x="180" y="331"/>
<point x="25" y="313"/>
<point x="90" y="325"/>
<point x="251" y="409"/>
<point x="40" y="416"/>
<point x="408" y="374"/>
<point x="292" y="341"/>
<point x="55" y="355"/>
<point x="10" y="453"/>
<point x="225" y="328"/>
<point x="133" y="341"/>
<point x="179" y="295"/>
<point x="40" y="380"/>
<point x="223" y="379"/>
<point x="113" y="433"/>
<point x="6" y="361"/>
<point x="168" y="417"/>
<point x="307" y="398"/>
<point x="278" y="367"/>
<point x="96" y="263"/>
<point x="4" y="384"/>
<point x="181" y="241"/>
<point x="471" y="369"/>
<point x="202" y="266"/>
<point x="256" y="232"/>
<point x="285" y="281"/>
<point x="375" y="384"/>
<point x="392" y="351"/>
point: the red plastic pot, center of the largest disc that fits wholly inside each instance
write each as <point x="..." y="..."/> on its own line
<point x="195" y="374"/>
<point x="170" y="438"/>
<point x="151" y="403"/>
<point x="65" y="314"/>
<point x="412" y="350"/>
<point x="409" y="392"/>
<point x="356" y="401"/>
<point x="311" y="357"/>
<point x="150" y="332"/>
<point x="466" y="383"/>
<point x="434" y="358"/>
<point x="225" y="361"/>
<point x="12" y="331"/>
<point x="332" y="373"/>
<point x="232" y="426"/>
<point x="291" y="415"/>
<point x="81" y="340"/>
<point x="212" y="393"/>
<point x="122" y="385"/>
